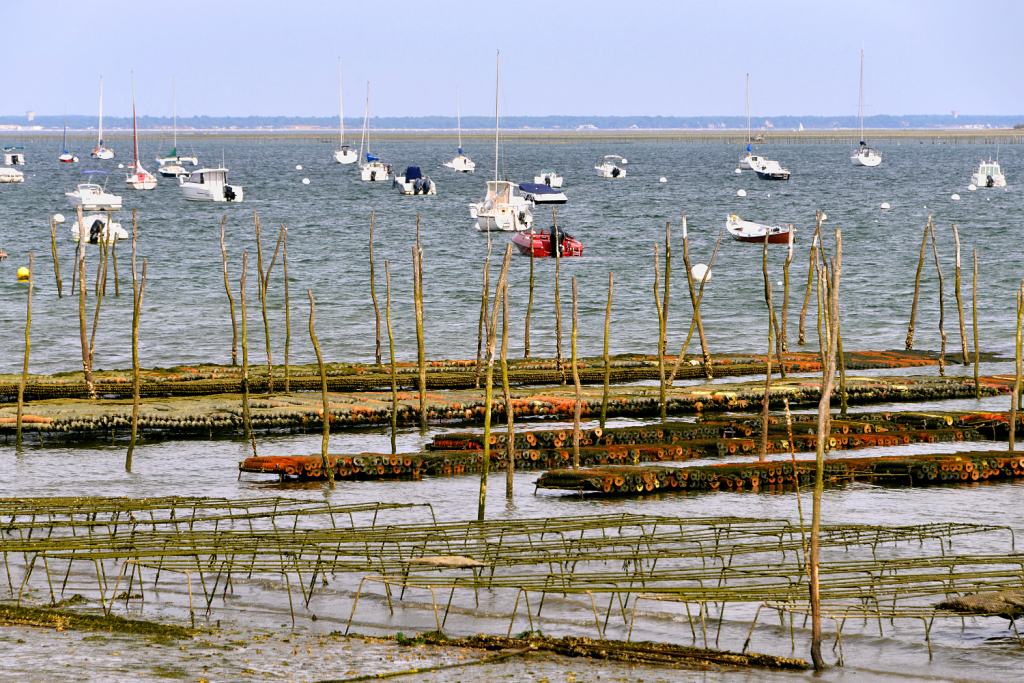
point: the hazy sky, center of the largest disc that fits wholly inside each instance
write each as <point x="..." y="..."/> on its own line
<point x="600" y="57"/>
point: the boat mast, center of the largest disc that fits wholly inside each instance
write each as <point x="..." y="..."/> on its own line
<point x="174" y="101"/>
<point x="458" y="114"/>
<point x="341" y="110"/>
<point x="861" y="103"/>
<point x="497" y="84"/>
<point x="64" y="145"/>
<point x="366" y="120"/>
<point x="100" y="138"/>
<point x="748" y="112"/>
<point x="135" y="128"/>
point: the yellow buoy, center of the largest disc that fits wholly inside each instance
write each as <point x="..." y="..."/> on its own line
<point x="23" y="274"/>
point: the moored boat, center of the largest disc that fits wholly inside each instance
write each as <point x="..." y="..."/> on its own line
<point x="210" y="185"/>
<point x="538" y="193"/>
<point x="749" y="231"/>
<point x="99" y="229"/>
<point x="539" y="243"/>
<point x="14" y="156"/>
<point x="66" y="156"/>
<point x="139" y="178"/>
<point x="414" y="182"/>
<point x="101" y="152"/>
<point x="344" y="154"/>
<point x="989" y="174"/>
<point x="503" y="208"/>
<point x="549" y="178"/>
<point x="865" y="156"/>
<point x="11" y="175"/>
<point x="94" y="197"/>
<point x="461" y="163"/>
<point x="609" y="168"/>
<point x="769" y="169"/>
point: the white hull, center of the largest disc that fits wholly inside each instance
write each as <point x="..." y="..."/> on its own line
<point x="374" y="172"/>
<point x="98" y="229"/>
<point x="866" y="159"/>
<point x="997" y="180"/>
<point x="610" y="171"/>
<point x="173" y="171"/>
<point x="14" y="159"/>
<point x="345" y="156"/>
<point x="461" y="164"/>
<point x="177" y="161"/>
<point x="102" y="153"/>
<point x="474" y="210"/>
<point x="989" y="174"/>
<point x="549" y="179"/>
<point x="94" y="201"/>
<point x="412" y="189"/>
<point x="505" y="218"/>
<point x="11" y="175"/>
<point x="750" y="162"/>
<point x="141" y="180"/>
<point x="198" y="193"/>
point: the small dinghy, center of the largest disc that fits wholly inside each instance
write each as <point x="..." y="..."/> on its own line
<point x="414" y="182"/>
<point x="539" y="193"/>
<point x="749" y="231"/>
<point x="539" y="243"/>
<point x="99" y="229"/>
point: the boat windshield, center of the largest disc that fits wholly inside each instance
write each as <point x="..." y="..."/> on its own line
<point x="90" y="188"/>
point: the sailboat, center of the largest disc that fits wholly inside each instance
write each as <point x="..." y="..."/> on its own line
<point x="865" y="156"/>
<point x="751" y="161"/>
<point x="461" y="163"/>
<point x="66" y="156"/>
<point x="140" y="179"/>
<point x="344" y="154"/>
<point x="101" y="152"/>
<point x="170" y="165"/>
<point x="373" y="170"/>
<point x="502" y="208"/>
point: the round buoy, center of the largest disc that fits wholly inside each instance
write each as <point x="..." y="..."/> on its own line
<point x="74" y="159"/>
<point x="738" y="171"/>
<point x="58" y="218"/>
<point x="955" y="197"/>
<point x="662" y="179"/>
<point x="305" y="181"/>
<point x="769" y="194"/>
<point x="298" y="167"/>
<point x="741" y="193"/>
<point x="972" y="187"/>
<point x="624" y="161"/>
<point x="120" y="165"/>
<point x="700" y="273"/>
<point x="885" y="205"/>
<point x="22" y="274"/>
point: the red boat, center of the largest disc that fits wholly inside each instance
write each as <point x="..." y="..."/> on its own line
<point x="540" y="244"/>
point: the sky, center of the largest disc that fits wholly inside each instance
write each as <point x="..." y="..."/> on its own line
<point x="600" y="57"/>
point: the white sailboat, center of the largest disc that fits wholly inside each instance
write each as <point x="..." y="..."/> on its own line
<point x="502" y="208"/>
<point x="139" y="178"/>
<point x="171" y="165"/>
<point x="865" y="156"/>
<point x="101" y="152"/>
<point x="66" y="156"/>
<point x="373" y="170"/>
<point x="750" y="161"/>
<point x="461" y="163"/>
<point x="344" y="154"/>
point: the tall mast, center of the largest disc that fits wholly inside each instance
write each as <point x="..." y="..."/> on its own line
<point x="64" y="145"/>
<point x="135" y="129"/>
<point x="341" y="109"/>
<point x="458" y="114"/>
<point x="100" y="138"/>
<point x="497" y="84"/>
<point x="174" y="100"/>
<point x="366" y="117"/>
<point x="861" y="104"/>
<point x="748" y="109"/>
<point x="366" y="120"/>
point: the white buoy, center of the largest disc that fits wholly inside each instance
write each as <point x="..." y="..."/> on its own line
<point x="885" y="205"/>
<point x="972" y="187"/>
<point x="738" y="171"/>
<point x="58" y="218"/>
<point x="769" y="194"/>
<point x="74" y="159"/>
<point x="662" y="179"/>
<point x="741" y="193"/>
<point x="120" y="165"/>
<point x="624" y="161"/>
<point x="299" y="167"/>
<point x="305" y="181"/>
<point x="700" y="273"/>
<point x="955" y="197"/>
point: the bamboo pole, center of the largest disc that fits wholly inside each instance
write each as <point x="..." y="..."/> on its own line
<point x="662" y="350"/>
<point x="529" y="305"/>
<point x="557" y="247"/>
<point x="231" y="299"/>
<point x="917" y="285"/>
<point x="578" y="404"/>
<point x="974" y="314"/>
<point x="247" y="425"/>
<point x="325" y="462"/>
<point x="768" y="358"/>
<point x="394" y="379"/>
<point x="498" y="293"/>
<point x="86" y="365"/>
<point x="287" y="317"/>
<point x="942" y="309"/>
<point x="481" y="329"/>
<point x="138" y="288"/>
<point x="607" y="358"/>
<point x="420" y="352"/>
<point x="959" y="301"/>
<point x="784" y="336"/>
<point x="373" y="291"/>
<point x="117" y="278"/>
<point x="696" y="311"/>
<point x="819" y="217"/>
<point x="510" y="454"/>
<point x="824" y="409"/>
<point x="28" y="345"/>
<point x="695" y="303"/>
<point x="56" y="258"/>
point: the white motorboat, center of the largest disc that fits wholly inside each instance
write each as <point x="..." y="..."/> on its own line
<point x="749" y="231"/>
<point x="170" y="165"/>
<point x="11" y="175"/>
<point x="99" y="229"/>
<point x="93" y="196"/>
<point x="14" y="156"/>
<point x="503" y="209"/>
<point x="344" y="154"/>
<point x="989" y="174"/>
<point x="768" y="169"/>
<point x="139" y="178"/>
<point x="750" y="161"/>
<point x="66" y="156"/>
<point x="461" y="163"/>
<point x="549" y="178"/>
<point x="414" y="182"/>
<point x="101" y="152"/>
<point x="539" y="193"/>
<point x="609" y="168"/>
<point x="210" y="185"/>
<point x="865" y="156"/>
<point x="373" y="169"/>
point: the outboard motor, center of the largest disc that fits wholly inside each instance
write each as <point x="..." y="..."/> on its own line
<point x="229" y="193"/>
<point x="96" y="231"/>
<point x="427" y="184"/>
<point x="615" y="172"/>
<point x="990" y="182"/>
<point x="547" y="180"/>
<point x="417" y="186"/>
<point x="373" y="175"/>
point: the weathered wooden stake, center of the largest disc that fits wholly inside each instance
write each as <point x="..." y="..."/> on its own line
<point x="812" y="266"/>
<point x="1013" y="420"/>
<point x="917" y="284"/>
<point x="510" y="453"/>
<point x="420" y="352"/>
<point x="663" y="332"/>
<point x="1020" y="343"/>
<point x="768" y="368"/>
<point x="28" y="345"/>
<point x="325" y="462"/>
<point x="695" y="303"/>
<point x="942" y="309"/>
<point x="231" y="299"/>
<point x="101" y="291"/>
<point x="373" y="291"/>
<point x="394" y="378"/>
<point x="558" y="298"/>
<point x="86" y="365"/>
<point x="841" y="360"/>
<point x="489" y="384"/>
<point x="529" y="305"/>
<point x="74" y="274"/>
<point x="481" y="326"/>
<point x="138" y="288"/>
<point x="247" y="425"/>
<point x="56" y="259"/>
<point x="578" y="404"/>
<point x="287" y="317"/>
<point x="974" y="314"/>
<point x="784" y="337"/>
<point x="696" y="311"/>
<point x="959" y="301"/>
<point x="117" y="278"/>
<point x="264" y="286"/>
<point x="607" y="358"/>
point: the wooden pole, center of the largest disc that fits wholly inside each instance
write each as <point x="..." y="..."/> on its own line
<point x="529" y="305"/>
<point x="137" y="291"/>
<point x="661" y="332"/>
<point x="662" y="350"/>
<point x="784" y="335"/>
<point x="960" y="302"/>
<point x="695" y="303"/>
<point x="696" y="311"/>
<point x="74" y="273"/>
<point x="231" y="299"/>
<point x="264" y="286"/>
<point x="420" y="352"/>
<point x="974" y="314"/>
<point x="510" y="453"/>
<point x="287" y="317"/>
<point x="768" y="358"/>
<point x="56" y="258"/>
<point x="824" y="416"/>
<point x="607" y="358"/>
<point x="498" y="293"/>
<point x="394" y="379"/>
<point x="28" y="345"/>
<point x="247" y="425"/>
<point x="101" y="290"/>
<point x="373" y="291"/>
<point x="578" y="404"/>
<point x="481" y="326"/>
<point x="942" y="309"/>
<point x="841" y="360"/>
<point x="325" y="462"/>
<point x="557" y="247"/>
<point x="819" y="217"/>
<point x="86" y="365"/>
<point x="917" y="285"/>
<point x="1020" y="341"/>
<point x="117" y="278"/>
<point x="1013" y="420"/>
